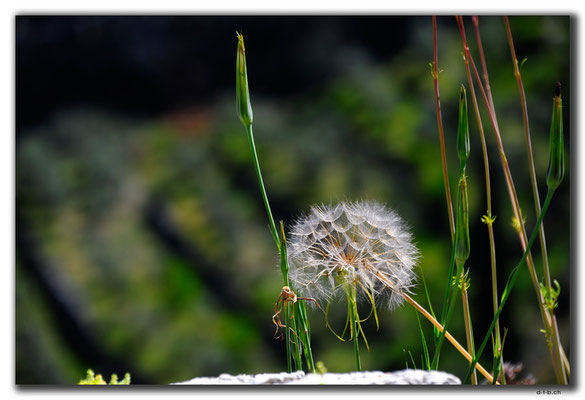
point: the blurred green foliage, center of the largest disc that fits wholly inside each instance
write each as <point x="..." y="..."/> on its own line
<point x="152" y="236"/>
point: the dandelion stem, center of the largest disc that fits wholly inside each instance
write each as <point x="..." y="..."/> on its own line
<point x="354" y="329"/>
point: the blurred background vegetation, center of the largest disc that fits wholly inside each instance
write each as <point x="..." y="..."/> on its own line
<point x="141" y="239"/>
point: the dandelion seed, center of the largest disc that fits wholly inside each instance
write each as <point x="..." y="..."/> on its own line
<point x="361" y="245"/>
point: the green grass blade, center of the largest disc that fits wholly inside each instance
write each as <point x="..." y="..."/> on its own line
<point x="427" y="360"/>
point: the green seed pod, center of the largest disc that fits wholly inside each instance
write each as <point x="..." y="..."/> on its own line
<point x="243" y="104"/>
<point x="463" y="129"/>
<point x="556" y="166"/>
<point x="462" y="243"/>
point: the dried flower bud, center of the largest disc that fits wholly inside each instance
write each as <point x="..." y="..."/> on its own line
<point x="463" y="128"/>
<point x="243" y="104"/>
<point x="556" y="166"/>
<point x="462" y="243"/>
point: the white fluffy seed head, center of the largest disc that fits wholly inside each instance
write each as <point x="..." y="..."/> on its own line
<point x="360" y="244"/>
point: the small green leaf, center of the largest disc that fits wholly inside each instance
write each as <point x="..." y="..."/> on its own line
<point x="427" y="360"/>
<point x="488" y="220"/>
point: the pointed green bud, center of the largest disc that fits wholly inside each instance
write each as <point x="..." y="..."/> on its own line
<point x="556" y="166"/>
<point x="463" y="128"/>
<point x="462" y="243"/>
<point x="243" y="104"/>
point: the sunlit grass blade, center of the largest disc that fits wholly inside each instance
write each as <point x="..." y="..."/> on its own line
<point x="425" y="288"/>
<point x="498" y="355"/>
<point x="426" y="359"/>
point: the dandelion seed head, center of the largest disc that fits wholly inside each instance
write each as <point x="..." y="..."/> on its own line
<point x="361" y="244"/>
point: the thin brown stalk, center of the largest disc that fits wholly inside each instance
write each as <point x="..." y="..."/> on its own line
<point x="518" y="76"/>
<point x="489" y="220"/>
<point x="435" y="73"/>
<point x="511" y="191"/>
<point x="486" y="78"/>
<point x="560" y="372"/>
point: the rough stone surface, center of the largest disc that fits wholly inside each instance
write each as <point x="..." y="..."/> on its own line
<point x="404" y="377"/>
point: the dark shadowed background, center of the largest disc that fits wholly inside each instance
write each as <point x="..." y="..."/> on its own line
<point x="141" y="239"/>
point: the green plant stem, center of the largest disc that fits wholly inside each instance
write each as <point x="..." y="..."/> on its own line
<point x="450" y="293"/>
<point x="511" y="282"/>
<point x="261" y="183"/>
<point x="281" y="245"/>
<point x="489" y="220"/>
<point x="561" y="376"/>
<point x="296" y="351"/>
<point x="448" y="306"/>
<point x="533" y="180"/>
<point x="305" y="334"/>
<point x="283" y="255"/>
<point x="287" y="338"/>
<point x="467" y="320"/>
<point x="547" y="320"/>
<point x="435" y="74"/>
<point x="301" y="324"/>
<point x="449" y="285"/>
<point x="486" y="78"/>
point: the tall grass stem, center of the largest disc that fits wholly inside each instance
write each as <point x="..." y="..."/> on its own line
<point x="488" y="219"/>
<point x="435" y="74"/>
<point x="547" y="321"/>
<point x="468" y="325"/>
<point x="511" y="282"/>
<point x="559" y="370"/>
